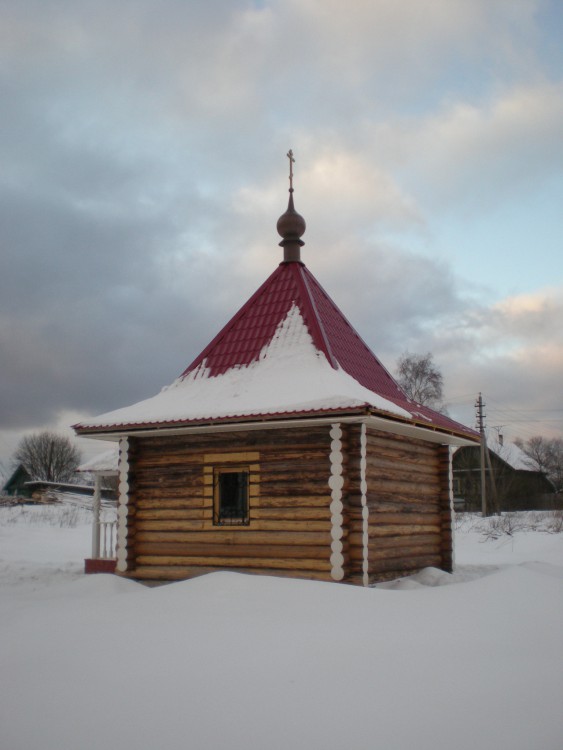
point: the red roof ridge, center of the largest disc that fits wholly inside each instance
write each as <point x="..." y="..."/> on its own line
<point x="316" y="324"/>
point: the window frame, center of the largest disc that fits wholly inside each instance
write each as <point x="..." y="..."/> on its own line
<point x="233" y="460"/>
<point x="219" y="517"/>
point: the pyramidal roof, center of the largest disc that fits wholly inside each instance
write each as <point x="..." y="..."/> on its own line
<point x="288" y="352"/>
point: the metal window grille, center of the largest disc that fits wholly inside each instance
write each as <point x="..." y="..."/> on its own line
<point x="231" y="498"/>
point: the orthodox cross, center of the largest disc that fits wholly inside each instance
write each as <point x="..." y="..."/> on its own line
<point x="291" y="163"/>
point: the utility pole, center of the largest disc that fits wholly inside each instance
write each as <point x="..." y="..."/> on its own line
<point x="479" y="405"/>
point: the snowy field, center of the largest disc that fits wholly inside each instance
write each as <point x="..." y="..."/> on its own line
<point x="470" y="661"/>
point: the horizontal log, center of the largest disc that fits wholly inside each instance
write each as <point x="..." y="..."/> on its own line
<point x="406" y="552"/>
<point x="299" y="472"/>
<point x="286" y="501"/>
<point x="409" y="505"/>
<point x="157" y="491"/>
<point x="290" y="514"/>
<point x="401" y="447"/>
<point x="289" y="488"/>
<point x="186" y="475"/>
<point x="401" y="477"/>
<point x="426" y="505"/>
<point x="258" y="525"/>
<point x="355" y="551"/>
<point x="268" y="487"/>
<point x="229" y="549"/>
<point x="406" y="439"/>
<point x="355" y="536"/>
<point x="377" y="484"/>
<point x="404" y="566"/>
<point x="166" y="514"/>
<point x="318" y="461"/>
<point x="227" y="534"/>
<point x="355" y="512"/>
<point x="297" y="440"/>
<point x="186" y="484"/>
<point x="421" y="463"/>
<point x="408" y="517"/>
<point x="209" y="441"/>
<point x="169" y="503"/>
<point x="418" y="463"/>
<point x="169" y="525"/>
<point x="402" y="503"/>
<point x="191" y="471"/>
<point x="294" y="501"/>
<point x="382" y="502"/>
<point x="251" y="563"/>
<point x="356" y="540"/>
<point x="402" y="530"/>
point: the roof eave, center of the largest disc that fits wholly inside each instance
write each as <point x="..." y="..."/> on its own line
<point x="209" y="423"/>
<point x="385" y="421"/>
<point x="421" y="430"/>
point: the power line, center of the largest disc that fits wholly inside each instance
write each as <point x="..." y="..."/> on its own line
<point x="522" y="422"/>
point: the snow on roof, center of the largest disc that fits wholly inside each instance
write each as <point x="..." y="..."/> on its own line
<point x="290" y="376"/>
<point x="512" y="454"/>
<point x="288" y="351"/>
<point x="242" y="340"/>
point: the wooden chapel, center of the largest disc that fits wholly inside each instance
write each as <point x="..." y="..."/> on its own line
<point x="285" y="448"/>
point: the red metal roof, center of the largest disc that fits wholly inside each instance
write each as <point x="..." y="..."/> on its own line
<point x="253" y="326"/>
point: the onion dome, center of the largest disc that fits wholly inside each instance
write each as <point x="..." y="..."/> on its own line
<point x="291" y="225"/>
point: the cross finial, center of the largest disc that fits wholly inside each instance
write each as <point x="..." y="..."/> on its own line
<point x="291" y="163"/>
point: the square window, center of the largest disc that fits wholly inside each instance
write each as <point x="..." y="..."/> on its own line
<point x="231" y="497"/>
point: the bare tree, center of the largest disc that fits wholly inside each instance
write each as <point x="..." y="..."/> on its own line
<point x="421" y="380"/>
<point x="48" y="457"/>
<point x="546" y="455"/>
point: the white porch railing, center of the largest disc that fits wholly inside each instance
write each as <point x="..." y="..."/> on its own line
<point x="103" y="532"/>
<point x="107" y="540"/>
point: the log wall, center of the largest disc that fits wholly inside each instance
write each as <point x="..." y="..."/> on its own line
<point x="354" y="503"/>
<point x="395" y="505"/>
<point x="171" y="534"/>
<point x="408" y="499"/>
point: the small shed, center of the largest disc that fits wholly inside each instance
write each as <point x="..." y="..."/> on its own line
<point x="284" y="448"/>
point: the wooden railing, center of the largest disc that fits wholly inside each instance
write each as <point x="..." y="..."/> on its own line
<point x="107" y="540"/>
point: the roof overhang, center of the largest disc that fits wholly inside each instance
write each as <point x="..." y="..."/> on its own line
<point x="430" y="435"/>
<point x="384" y="424"/>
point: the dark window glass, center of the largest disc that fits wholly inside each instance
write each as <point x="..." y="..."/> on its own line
<point x="232" y="497"/>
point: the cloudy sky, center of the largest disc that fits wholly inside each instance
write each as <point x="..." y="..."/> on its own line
<point x="143" y="146"/>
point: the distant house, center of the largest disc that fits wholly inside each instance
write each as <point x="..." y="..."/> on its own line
<point x="284" y="448"/>
<point x="512" y="481"/>
<point x="20" y="484"/>
<point x="17" y="483"/>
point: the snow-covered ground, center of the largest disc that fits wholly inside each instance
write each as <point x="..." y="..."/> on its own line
<point x="257" y="663"/>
